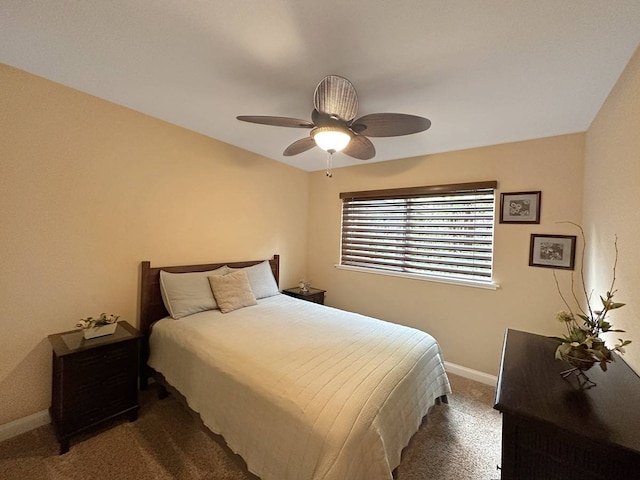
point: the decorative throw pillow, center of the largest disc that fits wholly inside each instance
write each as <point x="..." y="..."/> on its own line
<point x="261" y="280"/>
<point x="187" y="293"/>
<point x="232" y="291"/>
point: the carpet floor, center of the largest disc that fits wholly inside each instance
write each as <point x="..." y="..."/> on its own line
<point x="458" y="441"/>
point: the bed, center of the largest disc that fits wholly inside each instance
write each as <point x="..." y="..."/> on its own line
<point x="300" y="391"/>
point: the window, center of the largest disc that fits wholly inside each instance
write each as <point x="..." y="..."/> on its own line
<point x="442" y="232"/>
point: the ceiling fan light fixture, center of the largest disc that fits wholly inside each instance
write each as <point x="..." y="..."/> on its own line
<point x="331" y="139"/>
<point x="334" y="126"/>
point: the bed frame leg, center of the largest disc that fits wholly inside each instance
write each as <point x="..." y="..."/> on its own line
<point x="163" y="392"/>
<point x="442" y="399"/>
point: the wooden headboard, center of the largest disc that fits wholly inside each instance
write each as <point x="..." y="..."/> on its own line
<point x="151" y="305"/>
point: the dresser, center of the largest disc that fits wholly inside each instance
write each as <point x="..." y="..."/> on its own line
<point x="94" y="380"/>
<point x="554" y="430"/>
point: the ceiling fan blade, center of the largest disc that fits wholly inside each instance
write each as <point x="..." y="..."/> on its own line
<point x="276" y="121"/>
<point x="336" y="95"/>
<point x="299" y="146"/>
<point x="390" y="124"/>
<point x="360" y="147"/>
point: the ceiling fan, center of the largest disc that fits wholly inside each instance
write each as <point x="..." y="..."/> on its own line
<point x="334" y="126"/>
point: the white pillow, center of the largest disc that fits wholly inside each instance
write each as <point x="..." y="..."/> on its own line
<point x="232" y="291"/>
<point x="261" y="280"/>
<point x="187" y="293"/>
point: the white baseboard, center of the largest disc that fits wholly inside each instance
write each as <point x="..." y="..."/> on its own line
<point x="471" y="374"/>
<point x="25" y="424"/>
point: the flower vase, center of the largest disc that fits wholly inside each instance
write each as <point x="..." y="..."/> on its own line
<point x="580" y="362"/>
<point x="99" y="330"/>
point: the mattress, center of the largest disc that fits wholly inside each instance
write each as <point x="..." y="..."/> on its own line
<point x="303" y="391"/>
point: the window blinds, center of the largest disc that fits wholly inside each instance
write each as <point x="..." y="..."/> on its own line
<point x="444" y="231"/>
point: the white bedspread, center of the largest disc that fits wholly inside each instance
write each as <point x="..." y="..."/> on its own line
<point x="303" y="391"/>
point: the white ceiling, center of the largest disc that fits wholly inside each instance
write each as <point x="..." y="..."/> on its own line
<point x="484" y="72"/>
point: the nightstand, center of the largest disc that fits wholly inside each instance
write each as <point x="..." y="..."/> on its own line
<point x="93" y="380"/>
<point x="314" y="295"/>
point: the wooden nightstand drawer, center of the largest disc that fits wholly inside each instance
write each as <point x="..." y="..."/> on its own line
<point x="100" y="363"/>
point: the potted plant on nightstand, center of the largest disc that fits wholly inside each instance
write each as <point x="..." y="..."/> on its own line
<point x="98" y="327"/>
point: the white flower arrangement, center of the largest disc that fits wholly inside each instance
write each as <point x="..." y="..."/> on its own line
<point x="101" y="320"/>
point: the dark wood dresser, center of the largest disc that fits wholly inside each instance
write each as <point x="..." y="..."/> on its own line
<point x="314" y="295"/>
<point x="93" y="380"/>
<point x="554" y="430"/>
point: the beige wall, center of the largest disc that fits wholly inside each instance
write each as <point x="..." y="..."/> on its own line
<point x="612" y="178"/>
<point x="468" y="322"/>
<point x="89" y="189"/>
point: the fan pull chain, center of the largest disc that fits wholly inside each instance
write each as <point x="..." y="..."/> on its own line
<point x="329" y="163"/>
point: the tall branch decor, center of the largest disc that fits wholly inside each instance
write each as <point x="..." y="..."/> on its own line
<point x="582" y="346"/>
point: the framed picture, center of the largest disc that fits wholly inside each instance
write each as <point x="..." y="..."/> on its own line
<point x="552" y="251"/>
<point x="520" y="207"/>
